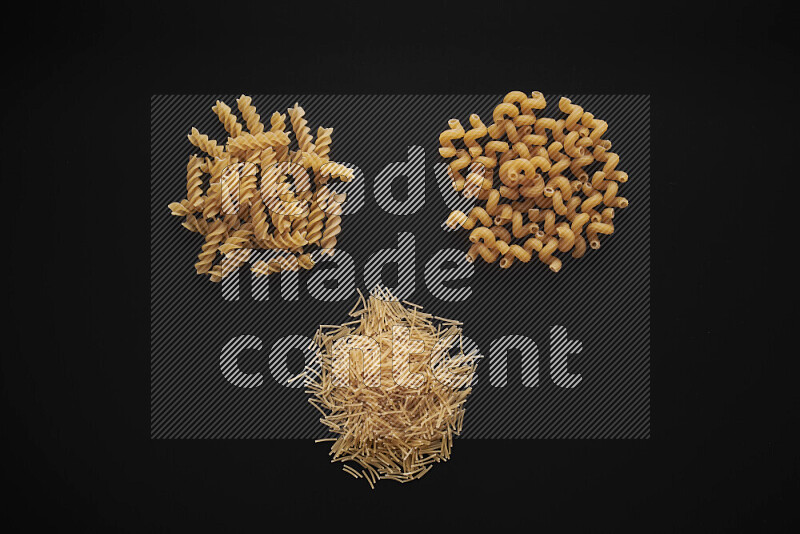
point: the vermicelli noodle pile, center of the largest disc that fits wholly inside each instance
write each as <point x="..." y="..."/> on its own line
<point x="395" y="430"/>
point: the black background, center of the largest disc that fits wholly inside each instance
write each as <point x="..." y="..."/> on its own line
<point x="76" y="382"/>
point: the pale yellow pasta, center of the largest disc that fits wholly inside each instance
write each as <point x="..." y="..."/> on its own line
<point x="515" y="251"/>
<point x="305" y="261"/>
<point x="511" y="193"/>
<point x="580" y="247"/>
<point x="214" y="237"/>
<point x="500" y="114"/>
<point x="595" y="228"/>
<point x="194" y="224"/>
<point x="323" y="144"/>
<point x="518" y="228"/>
<point x="488" y="255"/>
<point x="229" y="264"/>
<point x="300" y="128"/>
<point x="545" y="254"/>
<point x="205" y="144"/>
<point x="458" y="218"/>
<point x="446" y="138"/>
<point x="478" y="131"/>
<point x="561" y="183"/>
<point x="520" y="149"/>
<point x="575" y="112"/>
<point x="580" y="220"/>
<point x="227" y="118"/>
<point x="251" y="118"/>
<point x="238" y="239"/>
<point x="462" y="161"/>
<point x="235" y="213"/>
<point x="484" y="234"/>
<point x="337" y="170"/>
<point x="566" y="237"/>
<point x="332" y="229"/>
<point x="536" y="101"/>
<point x="247" y="141"/>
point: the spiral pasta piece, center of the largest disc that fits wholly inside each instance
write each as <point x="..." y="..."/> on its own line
<point x="251" y="118"/>
<point x="333" y="226"/>
<point x="238" y="239"/>
<point x="566" y="238"/>
<point x="316" y="223"/>
<point x="551" y="261"/>
<point x="476" y="214"/>
<point x="195" y="224"/>
<point x="479" y="249"/>
<point x="515" y="251"/>
<point x="214" y="237"/>
<point x="446" y="138"/>
<point x="205" y="144"/>
<point x="260" y="219"/>
<point x="337" y="170"/>
<point x="471" y="137"/>
<point x="536" y="101"/>
<point x="501" y="115"/>
<point x="575" y="112"/>
<point x="323" y="145"/>
<point x="229" y="264"/>
<point x="462" y="161"/>
<point x="248" y="192"/>
<point x="212" y="202"/>
<point x="247" y="141"/>
<point x="300" y="128"/>
<point x="227" y="118"/>
<point x="595" y="228"/>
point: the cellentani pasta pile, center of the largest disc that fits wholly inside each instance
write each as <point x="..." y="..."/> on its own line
<point x="549" y="185"/>
<point x="393" y="420"/>
<point x="240" y="197"/>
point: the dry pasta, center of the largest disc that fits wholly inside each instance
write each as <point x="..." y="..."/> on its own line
<point x="239" y="196"/>
<point x="390" y="422"/>
<point x="559" y="174"/>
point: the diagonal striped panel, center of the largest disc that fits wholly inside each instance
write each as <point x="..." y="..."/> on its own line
<point x="601" y="300"/>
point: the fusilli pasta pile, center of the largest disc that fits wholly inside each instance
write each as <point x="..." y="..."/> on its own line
<point x="550" y="186"/>
<point x="239" y="196"/>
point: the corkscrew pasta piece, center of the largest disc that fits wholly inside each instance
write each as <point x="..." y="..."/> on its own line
<point x="238" y="239"/>
<point x="479" y="249"/>
<point x="332" y="229"/>
<point x="515" y="251"/>
<point x="478" y="131"/>
<point x="337" y="170"/>
<point x="557" y="171"/>
<point x="597" y="228"/>
<point x="458" y="218"/>
<point x="205" y="144"/>
<point x="323" y="144"/>
<point x="462" y="161"/>
<point x="253" y="192"/>
<point x="251" y="118"/>
<point x="575" y="112"/>
<point x="227" y="118"/>
<point x="248" y="142"/>
<point x="214" y="238"/>
<point x="229" y="264"/>
<point x="300" y="128"/>
<point x="446" y="138"/>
